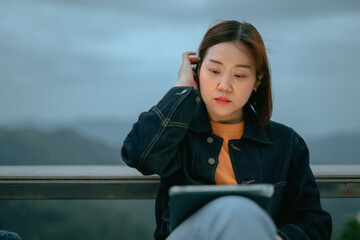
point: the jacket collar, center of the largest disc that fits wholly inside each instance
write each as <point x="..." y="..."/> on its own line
<point x="201" y="124"/>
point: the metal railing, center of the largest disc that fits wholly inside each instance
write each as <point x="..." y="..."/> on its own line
<point x="122" y="182"/>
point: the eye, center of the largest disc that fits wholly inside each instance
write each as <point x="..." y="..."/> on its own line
<point x="214" y="71"/>
<point x="239" y="75"/>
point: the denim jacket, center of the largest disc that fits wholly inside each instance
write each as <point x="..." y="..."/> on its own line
<point x="174" y="140"/>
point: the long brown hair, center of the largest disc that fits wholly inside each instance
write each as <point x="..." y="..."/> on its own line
<point x="260" y="100"/>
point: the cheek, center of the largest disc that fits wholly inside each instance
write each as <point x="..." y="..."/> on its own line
<point x="201" y="76"/>
<point x="250" y="86"/>
<point x="249" y="89"/>
<point x="203" y="81"/>
<point x="245" y="90"/>
<point x="205" y="87"/>
<point x="206" y="78"/>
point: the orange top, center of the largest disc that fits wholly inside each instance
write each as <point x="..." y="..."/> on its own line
<point x="224" y="174"/>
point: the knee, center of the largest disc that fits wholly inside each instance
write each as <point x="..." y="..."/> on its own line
<point x="237" y="205"/>
<point x="226" y="217"/>
<point x="238" y="210"/>
<point x="231" y="215"/>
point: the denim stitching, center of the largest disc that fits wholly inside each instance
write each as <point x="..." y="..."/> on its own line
<point x="217" y="160"/>
<point x="284" y="235"/>
<point x="258" y="160"/>
<point x="150" y="146"/>
<point x="178" y="124"/>
<point x="177" y="103"/>
<point x="165" y="214"/>
<point x="171" y="124"/>
<point x="280" y="184"/>
<point x="194" y="154"/>
<point x="232" y="157"/>
<point x="157" y="136"/>
<point x="300" y="230"/>
<point x="296" y="141"/>
<point x="161" y="116"/>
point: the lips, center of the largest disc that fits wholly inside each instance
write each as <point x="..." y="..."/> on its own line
<point x="222" y="100"/>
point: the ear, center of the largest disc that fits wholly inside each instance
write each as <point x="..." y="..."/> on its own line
<point x="256" y="85"/>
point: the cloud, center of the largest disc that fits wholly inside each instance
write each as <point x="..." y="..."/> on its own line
<point x="72" y="59"/>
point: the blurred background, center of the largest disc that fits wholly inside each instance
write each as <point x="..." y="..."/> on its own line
<point x="75" y="74"/>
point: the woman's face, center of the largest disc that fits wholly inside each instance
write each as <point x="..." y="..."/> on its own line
<point x="227" y="78"/>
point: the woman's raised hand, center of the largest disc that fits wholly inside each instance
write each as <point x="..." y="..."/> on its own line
<point x="185" y="73"/>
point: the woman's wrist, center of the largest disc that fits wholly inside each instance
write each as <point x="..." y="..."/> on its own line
<point x="186" y="84"/>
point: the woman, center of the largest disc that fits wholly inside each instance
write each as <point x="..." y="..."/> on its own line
<point x="214" y="127"/>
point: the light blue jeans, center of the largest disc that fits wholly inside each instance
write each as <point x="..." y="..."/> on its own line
<point x="227" y="218"/>
<point x="5" y="235"/>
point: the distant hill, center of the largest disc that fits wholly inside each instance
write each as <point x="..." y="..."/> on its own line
<point x="332" y="149"/>
<point x="335" y="149"/>
<point x="109" y="131"/>
<point x="100" y="141"/>
<point x="58" y="147"/>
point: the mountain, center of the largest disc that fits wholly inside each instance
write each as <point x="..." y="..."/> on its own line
<point x="59" y="147"/>
<point x="110" y="131"/>
<point x="108" y="135"/>
<point x="335" y="149"/>
<point x="332" y="149"/>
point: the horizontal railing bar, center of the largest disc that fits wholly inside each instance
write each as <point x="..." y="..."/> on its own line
<point x="336" y="171"/>
<point x="122" y="182"/>
<point x="71" y="172"/>
<point x="124" y="172"/>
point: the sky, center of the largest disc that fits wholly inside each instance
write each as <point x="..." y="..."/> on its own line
<point x="65" y="60"/>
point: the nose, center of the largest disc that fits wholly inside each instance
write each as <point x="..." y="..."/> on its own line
<point x="225" y="84"/>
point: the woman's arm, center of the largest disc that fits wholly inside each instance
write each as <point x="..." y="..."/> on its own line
<point x="301" y="212"/>
<point x="153" y="142"/>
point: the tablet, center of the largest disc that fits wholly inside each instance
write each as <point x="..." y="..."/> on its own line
<point x="185" y="200"/>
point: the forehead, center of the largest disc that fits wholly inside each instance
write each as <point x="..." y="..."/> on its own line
<point x="234" y="53"/>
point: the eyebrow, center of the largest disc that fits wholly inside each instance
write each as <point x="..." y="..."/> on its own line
<point x="239" y="65"/>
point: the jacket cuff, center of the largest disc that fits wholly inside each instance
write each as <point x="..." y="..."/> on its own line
<point x="186" y="97"/>
<point x="291" y="231"/>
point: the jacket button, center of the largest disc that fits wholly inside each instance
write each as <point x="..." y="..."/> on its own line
<point x="210" y="140"/>
<point x="211" y="161"/>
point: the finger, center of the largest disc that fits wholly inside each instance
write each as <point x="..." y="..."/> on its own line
<point x="194" y="60"/>
<point x="185" y="55"/>
<point x="190" y="53"/>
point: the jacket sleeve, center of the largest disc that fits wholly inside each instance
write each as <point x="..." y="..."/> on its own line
<point x="153" y="142"/>
<point x="302" y="214"/>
